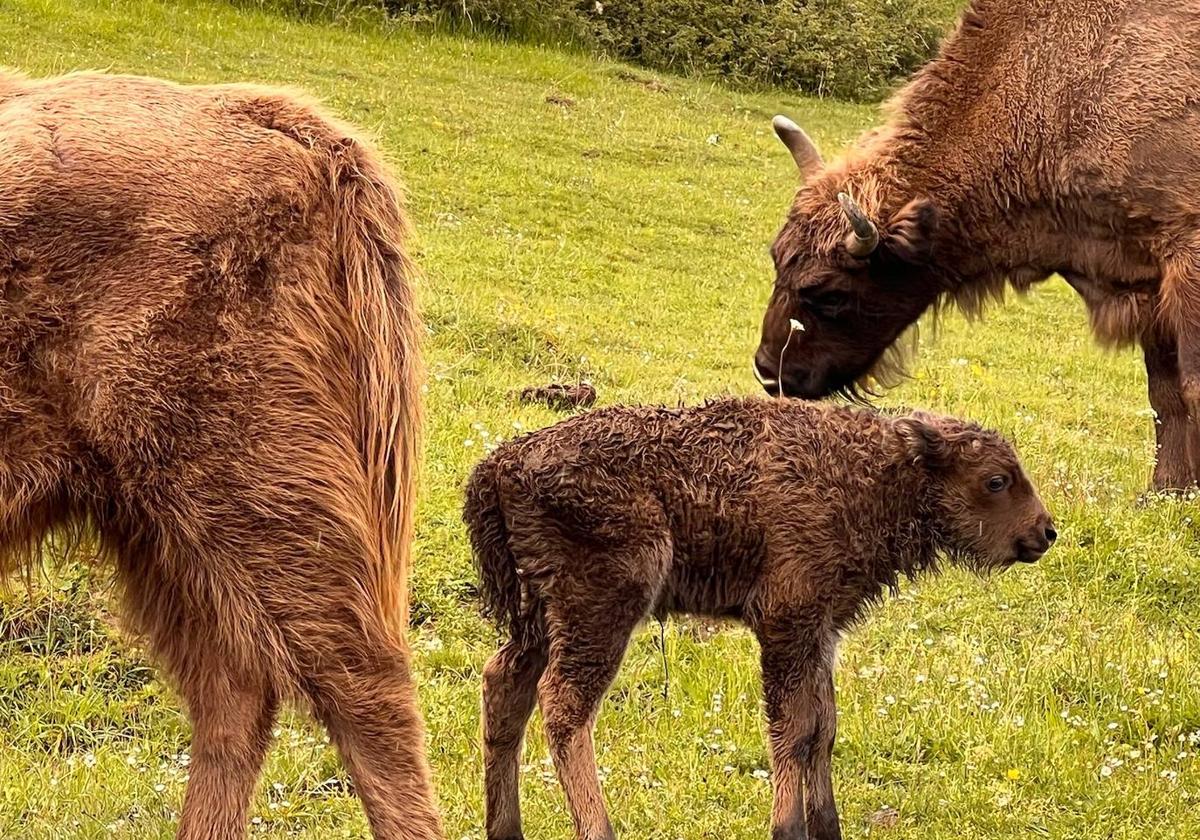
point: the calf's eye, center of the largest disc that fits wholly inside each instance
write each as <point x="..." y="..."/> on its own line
<point x="997" y="483"/>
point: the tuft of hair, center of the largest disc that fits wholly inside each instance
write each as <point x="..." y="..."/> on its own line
<point x="889" y="370"/>
<point x="503" y="597"/>
<point x="380" y="329"/>
<point x="379" y="281"/>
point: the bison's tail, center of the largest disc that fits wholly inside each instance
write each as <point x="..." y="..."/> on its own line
<point x="504" y="598"/>
<point x="385" y="338"/>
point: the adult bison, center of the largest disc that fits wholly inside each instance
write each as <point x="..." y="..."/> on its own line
<point x="1049" y="136"/>
<point x="209" y="354"/>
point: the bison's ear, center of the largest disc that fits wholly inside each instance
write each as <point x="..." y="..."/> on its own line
<point x="910" y="233"/>
<point x="923" y="440"/>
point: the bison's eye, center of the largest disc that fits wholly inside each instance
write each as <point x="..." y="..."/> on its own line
<point x="997" y="483"/>
<point x="832" y="304"/>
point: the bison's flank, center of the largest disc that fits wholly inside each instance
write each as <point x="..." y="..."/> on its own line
<point x="209" y="352"/>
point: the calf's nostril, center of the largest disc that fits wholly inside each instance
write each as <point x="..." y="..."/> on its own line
<point x="1051" y="534"/>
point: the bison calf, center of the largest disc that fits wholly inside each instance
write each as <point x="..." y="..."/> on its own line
<point x="789" y="516"/>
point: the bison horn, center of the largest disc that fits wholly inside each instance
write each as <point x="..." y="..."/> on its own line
<point x="864" y="236"/>
<point x="803" y="150"/>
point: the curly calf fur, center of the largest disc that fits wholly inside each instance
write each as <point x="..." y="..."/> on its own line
<point x="788" y="516"/>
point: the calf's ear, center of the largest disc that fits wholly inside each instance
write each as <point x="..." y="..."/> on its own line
<point x="910" y="233"/>
<point x="924" y="442"/>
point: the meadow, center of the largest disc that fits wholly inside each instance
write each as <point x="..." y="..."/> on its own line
<point x="578" y="219"/>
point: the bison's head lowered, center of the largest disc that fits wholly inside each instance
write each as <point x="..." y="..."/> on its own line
<point x="846" y="286"/>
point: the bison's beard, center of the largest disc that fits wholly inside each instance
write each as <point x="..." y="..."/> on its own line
<point x="888" y="371"/>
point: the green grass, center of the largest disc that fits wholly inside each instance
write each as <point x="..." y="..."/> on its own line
<point x="624" y="238"/>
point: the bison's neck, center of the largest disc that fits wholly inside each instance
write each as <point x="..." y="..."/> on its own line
<point x="994" y="229"/>
<point x="895" y="537"/>
<point x="1002" y="133"/>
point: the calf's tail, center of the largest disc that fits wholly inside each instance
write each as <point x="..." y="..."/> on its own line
<point x="505" y="599"/>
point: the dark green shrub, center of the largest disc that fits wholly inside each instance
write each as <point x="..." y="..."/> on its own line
<point x="849" y="49"/>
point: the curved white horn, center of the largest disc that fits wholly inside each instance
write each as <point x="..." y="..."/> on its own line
<point x="803" y="150"/>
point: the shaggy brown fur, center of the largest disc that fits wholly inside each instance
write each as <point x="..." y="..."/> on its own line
<point x="209" y="353"/>
<point x="786" y="515"/>
<point x="1049" y="136"/>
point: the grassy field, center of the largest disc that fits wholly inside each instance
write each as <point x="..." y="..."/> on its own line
<point x="579" y="219"/>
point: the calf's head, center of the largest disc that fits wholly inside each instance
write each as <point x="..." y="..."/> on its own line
<point x="846" y="285"/>
<point x="987" y="513"/>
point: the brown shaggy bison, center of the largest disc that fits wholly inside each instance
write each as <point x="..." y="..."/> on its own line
<point x="209" y="355"/>
<point x="1049" y="136"/>
<point x="789" y="516"/>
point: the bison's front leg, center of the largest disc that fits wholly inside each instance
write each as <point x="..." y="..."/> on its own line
<point x="1173" y="463"/>
<point x="798" y="687"/>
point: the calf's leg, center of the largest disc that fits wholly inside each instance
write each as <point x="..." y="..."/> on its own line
<point x="802" y="722"/>
<point x="510" y="681"/>
<point x="588" y="637"/>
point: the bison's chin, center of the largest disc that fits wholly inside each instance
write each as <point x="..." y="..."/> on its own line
<point x="886" y="371"/>
<point x="889" y="370"/>
<point x="980" y="562"/>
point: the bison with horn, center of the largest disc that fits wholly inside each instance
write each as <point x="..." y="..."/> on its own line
<point x="209" y="355"/>
<point x="1046" y="138"/>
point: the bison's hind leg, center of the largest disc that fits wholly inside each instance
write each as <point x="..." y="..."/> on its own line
<point x="205" y="624"/>
<point x="356" y="674"/>
<point x="510" y="681"/>
<point x="232" y="714"/>
<point x="590" y="618"/>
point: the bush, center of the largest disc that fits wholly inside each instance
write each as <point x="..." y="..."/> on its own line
<point x="848" y="49"/>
